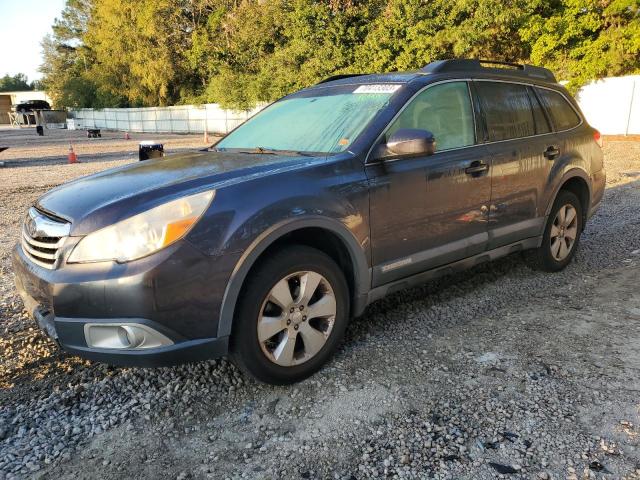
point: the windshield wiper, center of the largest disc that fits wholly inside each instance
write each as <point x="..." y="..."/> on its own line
<point x="273" y="151"/>
<point x="270" y="151"/>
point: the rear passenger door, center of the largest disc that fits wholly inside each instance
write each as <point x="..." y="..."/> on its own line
<point x="522" y="148"/>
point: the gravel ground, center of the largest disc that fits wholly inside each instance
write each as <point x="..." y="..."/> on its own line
<point x="27" y="148"/>
<point x="500" y="371"/>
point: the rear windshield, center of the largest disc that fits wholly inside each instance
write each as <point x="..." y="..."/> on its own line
<point x="563" y="115"/>
<point x="323" y="120"/>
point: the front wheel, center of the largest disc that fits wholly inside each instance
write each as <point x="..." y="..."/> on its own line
<point x="291" y="315"/>
<point x="561" y="235"/>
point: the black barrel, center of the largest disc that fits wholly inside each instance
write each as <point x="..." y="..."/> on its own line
<point x="150" y="149"/>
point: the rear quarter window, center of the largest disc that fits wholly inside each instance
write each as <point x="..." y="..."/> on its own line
<point x="562" y="113"/>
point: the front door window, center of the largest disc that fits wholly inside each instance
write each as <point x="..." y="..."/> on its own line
<point x="444" y="110"/>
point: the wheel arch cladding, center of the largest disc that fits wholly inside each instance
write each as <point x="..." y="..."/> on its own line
<point x="321" y="239"/>
<point x="580" y="188"/>
<point x="576" y="181"/>
<point x="328" y="236"/>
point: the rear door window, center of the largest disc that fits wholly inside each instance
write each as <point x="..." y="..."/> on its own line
<point x="507" y="110"/>
<point x="542" y="124"/>
<point x="562" y="113"/>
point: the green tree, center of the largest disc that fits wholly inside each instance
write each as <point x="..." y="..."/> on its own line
<point x="249" y="34"/>
<point x="66" y="60"/>
<point x="582" y="40"/>
<point x="411" y="33"/>
<point x="155" y="52"/>
<point x="241" y="52"/>
<point x="132" y="52"/>
<point x="319" y="39"/>
<point x="274" y="48"/>
<point x="205" y="45"/>
<point x="11" y="83"/>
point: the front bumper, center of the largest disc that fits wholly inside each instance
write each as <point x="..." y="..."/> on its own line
<point x="176" y="292"/>
<point x="183" y="352"/>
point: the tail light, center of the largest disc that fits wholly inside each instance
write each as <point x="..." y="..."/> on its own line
<point x="597" y="137"/>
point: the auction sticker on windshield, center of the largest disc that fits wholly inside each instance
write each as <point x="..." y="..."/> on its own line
<point x="379" y="88"/>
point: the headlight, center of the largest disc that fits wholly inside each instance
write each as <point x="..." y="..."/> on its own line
<point x="144" y="233"/>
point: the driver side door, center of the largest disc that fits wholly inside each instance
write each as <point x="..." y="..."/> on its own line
<point x="428" y="210"/>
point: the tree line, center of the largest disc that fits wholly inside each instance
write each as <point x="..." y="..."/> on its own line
<point x="110" y="53"/>
<point x="17" y="83"/>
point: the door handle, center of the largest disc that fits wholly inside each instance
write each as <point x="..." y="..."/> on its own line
<point x="551" y="152"/>
<point x="476" y="167"/>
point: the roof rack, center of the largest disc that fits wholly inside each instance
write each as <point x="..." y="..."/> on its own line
<point x="340" y="77"/>
<point x="493" y="66"/>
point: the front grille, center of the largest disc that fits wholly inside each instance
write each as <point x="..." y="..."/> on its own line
<point x="43" y="238"/>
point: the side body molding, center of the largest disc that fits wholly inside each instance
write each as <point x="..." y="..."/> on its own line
<point x="362" y="272"/>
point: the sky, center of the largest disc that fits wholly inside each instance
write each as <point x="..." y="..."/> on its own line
<point x="23" y="23"/>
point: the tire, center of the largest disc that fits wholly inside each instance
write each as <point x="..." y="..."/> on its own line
<point x="296" y="350"/>
<point x="551" y="256"/>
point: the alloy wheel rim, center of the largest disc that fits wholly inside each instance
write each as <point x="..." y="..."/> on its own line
<point x="564" y="231"/>
<point x="296" y="318"/>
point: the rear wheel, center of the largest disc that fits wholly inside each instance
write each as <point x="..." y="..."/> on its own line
<point x="291" y="315"/>
<point x="561" y="235"/>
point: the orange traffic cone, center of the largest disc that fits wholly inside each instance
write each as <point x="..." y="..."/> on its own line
<point x="71" y="156"/>
<point x="126" y="136"/>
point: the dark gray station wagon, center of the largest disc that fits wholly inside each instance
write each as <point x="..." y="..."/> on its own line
<point x="264" y="246"/>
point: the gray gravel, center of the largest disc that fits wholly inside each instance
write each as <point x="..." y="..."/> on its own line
<point x="499" y="371"/>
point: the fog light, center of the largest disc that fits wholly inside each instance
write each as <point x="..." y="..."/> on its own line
<point x="123" y="336"/>
<point x="134" y="336"/>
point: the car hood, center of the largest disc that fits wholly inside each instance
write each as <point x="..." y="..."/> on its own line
<point x="93" y="202"/>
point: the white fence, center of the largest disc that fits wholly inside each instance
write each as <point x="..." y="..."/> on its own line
<point x="612" y="105"/>
<point x="178" y="119"/>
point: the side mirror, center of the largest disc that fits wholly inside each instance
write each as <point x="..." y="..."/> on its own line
<point x="407" y="142"/>
<point x="411" y="141"/>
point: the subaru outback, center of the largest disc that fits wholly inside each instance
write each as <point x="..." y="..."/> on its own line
<point x="264" y="246"/>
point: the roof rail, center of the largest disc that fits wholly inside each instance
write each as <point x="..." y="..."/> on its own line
<point x="340" y="77"/>
<point x="465" y="65"/>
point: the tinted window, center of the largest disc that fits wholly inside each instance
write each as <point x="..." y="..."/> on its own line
<point x="445" y="110"/>
<point x="507" y="110"/>
<point x="563" y="115"/>
<point x="542" y="125"/>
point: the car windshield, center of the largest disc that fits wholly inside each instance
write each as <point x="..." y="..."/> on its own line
<point x="324" y="120"/>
